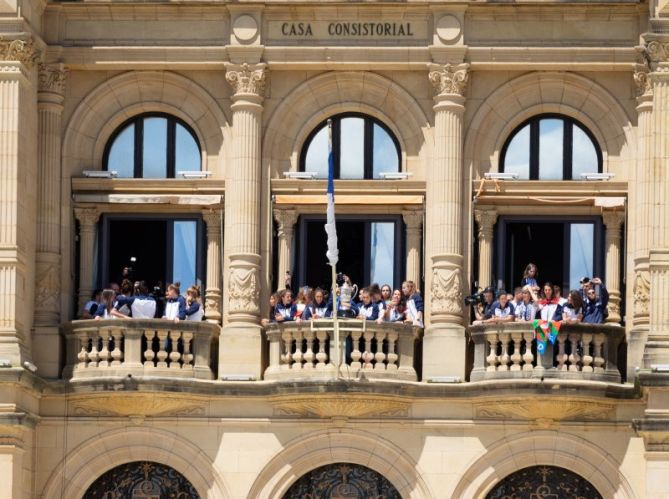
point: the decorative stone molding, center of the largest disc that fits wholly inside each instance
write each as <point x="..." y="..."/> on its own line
<point x="642" y="293"/>
<point x="212" y="301"/>
<point x="243" y="290"/>
<point x="449" y="79"/>
<point x="337" y="406"/>
<point x="22" y="51"/>
<point x="247" y="79"/>
<point x="657" y="51"/>
<point x="213" y="220"/>
<point x="52" y="78"/>
<point x="446" y="291"/>
<point x="413" y="220"/>
<point x="47" y="287"/>
<point x="136" y="405"/>
<point x="545" y="413"/>
<point x="486" y="220"/>
<point x="286" y="219"/>
<point x="87" y="217"/>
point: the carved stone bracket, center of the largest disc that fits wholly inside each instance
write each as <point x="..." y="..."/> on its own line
<point x="23" y="51"/>
<point x="52" y="78"/>
<point x="449" y="79"/>
<point x="247" y="79"/>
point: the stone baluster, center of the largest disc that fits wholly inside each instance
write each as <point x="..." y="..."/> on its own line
<point x="242" y="354"/>
<point x="212" y="294"/>
<point x="504" y="358"/>
<point x="528" y="357"/>
<point x="562" y="357"/>
<point x="117" y="353"/>
<point x="149" y="354"/>
<point x="574" y="357"/>
<point x="287" y="357"/>
<point x="492" y="356"/>
<point x="187" y="357"/>
<point x="94" y="354"/>
<point x="445" y="318"/>
<point x="104" y="351"/>
<point x="88" y="219"/>
<point x="413" y="221"/>
<point x="598" y="341"/>
<point x="285" y="220"/>
<point x="356" y="354"/>
<point x="322" y="356"/>
<point x="298" y="355"/>
<point x="516" y="357"/>
<point x="84" y="340"/>
<point x="275" y="355"/>
<point x="485" y="220"/>
<point x="586" y="340"/>
<point x="392" y="353"/>
<point x="174" y="356"/>
<point x="613" y="221"/>
<point x="309" y="352"/>
<point x="368" y="355"/>
<point x="162" y="348"/>
<point x="379" y="356"/>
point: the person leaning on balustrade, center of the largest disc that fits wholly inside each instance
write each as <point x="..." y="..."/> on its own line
<point x="105" y="308"/>
<point x="502" y="309"/>
<point x="142" y="306"/>
<point x="549" y="306"/>
<point x="396" y="310"/>
<point x="414" y="301"/>
<point x="175" y="308"/>
<point x="483" y="311"/>
<point x="194" y="310"/>
<point x="318" y="308"/>
<point x="285" y="310"/>
<point x="572" y="311"/>
<point x="526" y="311"/>
<point x="368" y="310"/>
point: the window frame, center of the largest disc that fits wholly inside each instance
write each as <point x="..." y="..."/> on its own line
<point x="138" y="153"/>
<point x="567" y="145"/>
<point x="369" y="122"/>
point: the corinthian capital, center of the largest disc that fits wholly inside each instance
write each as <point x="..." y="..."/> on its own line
<point x="286" y="219"/>
<point x="449" y="79"/>
<point x="486" y="221"/>
<point x="52" y="78"/>
<point x="87" y="216"/>
<point x="23" y="51"/>
<point x="247" y="79"/>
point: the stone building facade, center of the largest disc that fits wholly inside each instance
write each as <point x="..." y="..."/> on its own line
<point x="469" y="138"/>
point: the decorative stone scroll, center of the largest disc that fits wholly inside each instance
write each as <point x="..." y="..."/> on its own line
<point x="450" y="79"/>
<point x="23" y="51"/>
<point x="243" y="290"/>
<point x="247" y="79"/>
<point x="52" y="78"/>
<point x="657" y="51"/>
<point x="446" y="291"/>
<point x="642" y="293"/>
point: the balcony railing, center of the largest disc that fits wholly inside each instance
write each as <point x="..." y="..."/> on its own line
<point x="306" y="350"/>
<point x="581" y="351"/>
<point x="149" y="347"/>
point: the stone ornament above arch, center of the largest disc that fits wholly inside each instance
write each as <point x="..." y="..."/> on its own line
<point x="337" y="92"/>
<point x="303" y="455"/>
<point x="549" y="448"/>
<point x="132" y="93"/>
<point x="103" y="452"/>
<point x="537" y="93"/>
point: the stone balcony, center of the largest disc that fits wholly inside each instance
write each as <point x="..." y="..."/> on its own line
<point x="306" y="350"/>
<point x="581" y="352"/>
<point x="140" y="347"/>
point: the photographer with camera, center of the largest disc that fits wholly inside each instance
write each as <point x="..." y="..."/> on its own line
<point x="483" y="304"/>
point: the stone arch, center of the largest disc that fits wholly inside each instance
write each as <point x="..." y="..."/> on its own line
<point x="536" y="93"/>
<point x="84" y="464"/>
<point x="552" y="448"/>
<point x="340" y="446"/>
<point x="337" y="92"/>
<point x="114" y="101"/>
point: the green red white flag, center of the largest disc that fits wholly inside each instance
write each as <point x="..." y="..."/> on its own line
<point x="545" y="331"/>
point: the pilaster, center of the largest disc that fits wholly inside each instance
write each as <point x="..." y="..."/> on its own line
<point x="240" y="346"/>
<point x="285" y="220"/>
<point x="413" y="221"/>
<point x="212" y="299"/>
<point x="613" y="221"/>
<point x="445" y="332"/>
<point x="88" y="220"/>
<point x="486" y="220"/>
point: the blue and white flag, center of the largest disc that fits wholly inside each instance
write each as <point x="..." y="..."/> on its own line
<point x="330" y="227"/>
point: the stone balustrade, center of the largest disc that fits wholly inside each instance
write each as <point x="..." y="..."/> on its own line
<point x="306" y="349"/>
<point x="141" y="347"/>
<point x="581" y="351"/>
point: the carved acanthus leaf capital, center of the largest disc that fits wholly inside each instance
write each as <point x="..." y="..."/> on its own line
<point x="52" y="78"/>
<point x="486" y="220"/>
<point x="657" y="51"/>
<point x="613" y="220"/>
<point x="87" y="216"/>
<point x="449" y="79"/>
<point x="213" y="220"/>
<point x="247" y="79"/>
<point x="23" y="51"/>
<point x="286" y="219"/>
<point x="413" y="219"/>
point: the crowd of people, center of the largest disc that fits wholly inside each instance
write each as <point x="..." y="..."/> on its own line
<point x="373" y="303"/>
<point x="588" y="304"/>
<point x="133" y="300"/>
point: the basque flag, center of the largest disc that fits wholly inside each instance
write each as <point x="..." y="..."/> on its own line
<point x="330" y="227"/>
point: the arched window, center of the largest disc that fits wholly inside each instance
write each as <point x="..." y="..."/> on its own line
<point x="362" y="148"/>
<point x="544" y="481"/>
<point x="152" y="146"/>
<point x="551" y="147"/>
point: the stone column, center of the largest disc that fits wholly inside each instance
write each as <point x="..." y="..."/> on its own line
<point x="486" y="220"/>
<point x="18" y="199"/>
<point x="88" y="220"/>
<point x="50" y="97"/>
<point x="413" y="220"/>
<point x="240" y="345"/>
<point x="212" y="298"/>
<point x="445" y="315"/>
<point x="286" y="220"/>
<point x="613" y="221"/>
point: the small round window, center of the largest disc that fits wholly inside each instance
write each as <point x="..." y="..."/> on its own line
<point x="551" y="147"/>
<point x="152" y="146"/>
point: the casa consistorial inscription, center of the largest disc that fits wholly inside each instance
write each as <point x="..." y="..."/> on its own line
<point x="348" y="30"/>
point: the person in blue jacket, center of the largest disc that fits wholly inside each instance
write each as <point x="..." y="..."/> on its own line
<point x="319" y="308"/>
<point x="142" y="306"/>
<point x="594" y="304"/>
<point x="175" y="307"/>
<point x="368" y="309"/>
<point x="285" y="310"/>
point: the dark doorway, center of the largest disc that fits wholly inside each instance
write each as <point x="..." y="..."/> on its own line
<point x="144" y="241"/>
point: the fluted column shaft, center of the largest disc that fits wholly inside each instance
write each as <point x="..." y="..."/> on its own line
<point x="213" y="284"/>
<point x="486" y="222"/>
<point x="50" y="109"/>
<point x="613" y="222"/>
<point x="242" y="194"/>
<point x="285" y="220"/>
<point x="413" y="220"/>
<point x="88" y="219"/>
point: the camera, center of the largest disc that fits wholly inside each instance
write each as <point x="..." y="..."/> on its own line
<point x="474" y="298"/>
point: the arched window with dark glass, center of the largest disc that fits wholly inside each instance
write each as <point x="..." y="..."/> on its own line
<point x="362" y="148"/>
<point x="551" y="147"/>
<point x="152" y="146"/>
